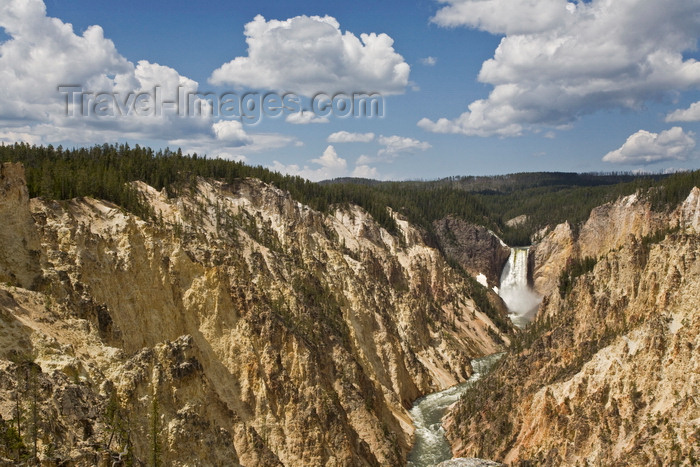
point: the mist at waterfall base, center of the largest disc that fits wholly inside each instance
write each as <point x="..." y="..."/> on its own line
<point x="521" y="300"/>
<point x="431" y="446"/>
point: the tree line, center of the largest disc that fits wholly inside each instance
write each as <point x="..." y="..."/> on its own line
<point x="104" y="171"/>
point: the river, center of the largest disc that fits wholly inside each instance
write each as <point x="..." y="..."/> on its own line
<point x="431" y="446"/>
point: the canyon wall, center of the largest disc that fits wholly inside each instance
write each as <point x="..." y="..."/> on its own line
<point x="235" y="326"/>
<point x="608" y="374"/>
<point x="475" y="248"/>
<point x="608" y="227"/>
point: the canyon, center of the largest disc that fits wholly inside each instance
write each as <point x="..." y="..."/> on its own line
<point x="229" y="323"/>
<point x="236" y="326"/>
<point x="608" y="372"/>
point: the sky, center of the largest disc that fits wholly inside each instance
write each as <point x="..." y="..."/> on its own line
<point x="412" y="89"/>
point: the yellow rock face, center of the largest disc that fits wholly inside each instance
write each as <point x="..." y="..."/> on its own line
<point x="234" y="326"/>
<point x="611" y="374"/>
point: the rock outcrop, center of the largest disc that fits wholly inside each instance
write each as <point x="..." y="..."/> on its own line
<point x="548" y="257"/>
<point x="19" y="255"/>
<point x="475" y="248"/>
<point x="237" y="326"/>
<point x="689" y="211"/>
<point x="608" y="375"/>
<point x="609" y="226"/>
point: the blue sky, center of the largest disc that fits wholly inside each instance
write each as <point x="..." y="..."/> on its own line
<point x="468" y="86"/>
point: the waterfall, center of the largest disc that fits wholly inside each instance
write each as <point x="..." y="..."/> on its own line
<point x="521" y="300"/>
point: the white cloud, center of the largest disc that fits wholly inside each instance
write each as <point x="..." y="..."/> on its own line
<point x="304" y="117"/>
<point x="20" y="134"/>
<point x="561" y="60"/>
<point x="365" y="171"/>
<point x="503" y="16"/>
<point x="231" y="132"/>
<point x="288" y="169"/>
<point x="428" y="61"/>
<point x="363" y="160"/>
<point x="330" y="160"/>
<point x="347" y="137"/>
<point x="691" y="114"/>
<point x="329" y="165"/>
<point x="394" y="145"/>
<point x="310" y="54"/>
<point x="645" y="147"/>
<point x="43" y="53"/>
<point x="255" y="142"/>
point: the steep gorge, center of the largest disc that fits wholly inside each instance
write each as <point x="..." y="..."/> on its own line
<point x="608" y="373"/>
<point x="237" y="326"/>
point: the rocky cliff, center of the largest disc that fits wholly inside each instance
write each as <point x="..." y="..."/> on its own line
<point x="234" y="326"/>
<point x="608" y="374"/>
<point x="608" y="227"/>
<point x="475" y="248"/>
<point x="19" y="255"/>
<point x="548" y="257"/>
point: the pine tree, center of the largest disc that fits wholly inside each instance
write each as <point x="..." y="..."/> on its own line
<point x="155" y="430"/>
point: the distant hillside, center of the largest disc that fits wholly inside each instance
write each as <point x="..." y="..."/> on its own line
<point x="524" y="180"/>
<point x="543" y="198"/>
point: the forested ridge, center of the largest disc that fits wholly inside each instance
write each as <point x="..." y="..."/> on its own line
<point x="545" y="198"/>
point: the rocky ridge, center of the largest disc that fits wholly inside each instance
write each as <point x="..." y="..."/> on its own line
<point x="608" y="227"/>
